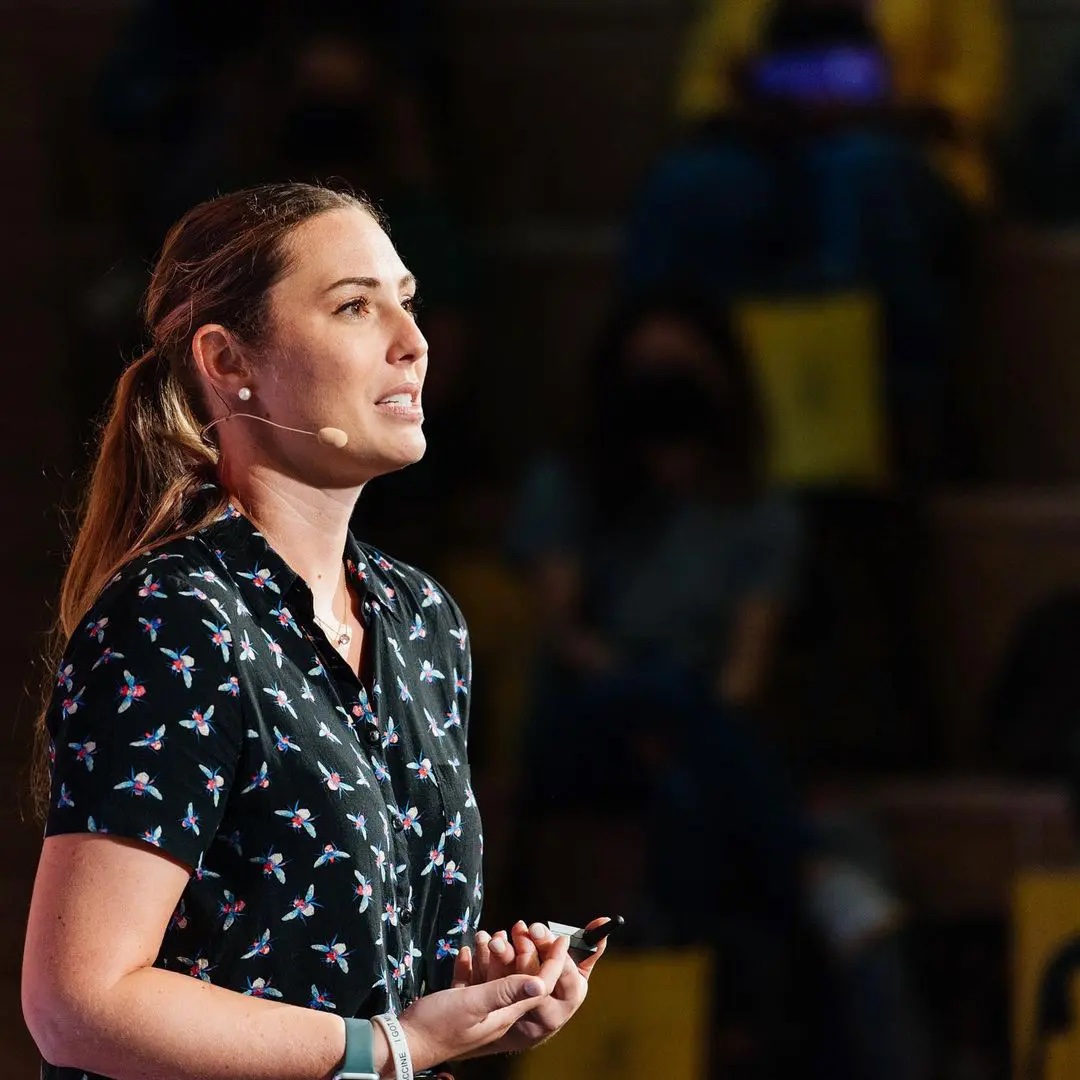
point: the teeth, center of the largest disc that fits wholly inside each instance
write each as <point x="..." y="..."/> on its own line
<point x="397" y="399"/>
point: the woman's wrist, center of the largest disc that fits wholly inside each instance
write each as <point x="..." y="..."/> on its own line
<point x="400" y="1065"/>
<point x="380" y="1053"/>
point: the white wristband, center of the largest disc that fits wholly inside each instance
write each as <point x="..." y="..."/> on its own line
<point x="399" y="1047"/>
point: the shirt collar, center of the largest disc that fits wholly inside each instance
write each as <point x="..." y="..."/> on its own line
<point x="266" y="581"/>
<point x="264" y="578"/>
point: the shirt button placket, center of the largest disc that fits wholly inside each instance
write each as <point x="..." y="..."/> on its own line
<point x="404" y="910"/>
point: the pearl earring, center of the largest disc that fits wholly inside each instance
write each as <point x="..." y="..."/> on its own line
<point x="244" y="393"/>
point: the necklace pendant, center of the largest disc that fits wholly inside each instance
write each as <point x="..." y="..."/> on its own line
<point x="344" y="637"/>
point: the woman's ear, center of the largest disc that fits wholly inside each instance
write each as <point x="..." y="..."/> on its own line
<point x="219" y="360"/>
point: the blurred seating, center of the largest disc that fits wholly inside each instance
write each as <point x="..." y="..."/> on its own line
<point x="957" y="845"/>
<point x="1020" y="388"/>
<point x="992" y="557"/>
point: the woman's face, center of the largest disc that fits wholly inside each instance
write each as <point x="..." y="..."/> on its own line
<point x="663" y="345"/>
<point x="672" y="377"/>
<point x="665" y="349"/>
<point x="344" y="350"/>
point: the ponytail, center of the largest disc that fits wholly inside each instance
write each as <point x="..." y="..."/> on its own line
<point x="151" y="464"/>
<point x="152" y="461"/>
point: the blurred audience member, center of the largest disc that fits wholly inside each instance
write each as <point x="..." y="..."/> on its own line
<point x="662" y="568"/>
<point x="831" y="143"/>
<point x="659" y="549"/>
<point x="659" y="571"/>
<point x="928" y="70"/>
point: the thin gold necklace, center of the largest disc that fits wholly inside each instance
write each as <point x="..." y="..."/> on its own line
<point x="341" y="634"/>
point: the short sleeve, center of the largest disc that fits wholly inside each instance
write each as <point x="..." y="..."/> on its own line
<point x="145" y="721"/>
<point x="775" y="539"/>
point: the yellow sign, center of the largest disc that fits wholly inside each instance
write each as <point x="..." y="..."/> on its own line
<point x="817" y="362"/>
<point x="647" y="1015"/>
<point x="1046" y="927"/>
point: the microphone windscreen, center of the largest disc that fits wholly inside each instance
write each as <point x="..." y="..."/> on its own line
<point x="332" y="436"/>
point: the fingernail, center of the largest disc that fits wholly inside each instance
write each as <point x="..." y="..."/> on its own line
<point x="534" y="988"/>
<point x="497" y="945"/>
<point x="520" y="924"/>
<point x="539" y="931"/>
<point x="483" y="937"/>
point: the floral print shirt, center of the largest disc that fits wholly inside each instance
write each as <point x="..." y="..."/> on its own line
<point x="330" y="826"/>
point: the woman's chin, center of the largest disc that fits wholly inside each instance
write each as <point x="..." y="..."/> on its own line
<point x="404" y="452"/>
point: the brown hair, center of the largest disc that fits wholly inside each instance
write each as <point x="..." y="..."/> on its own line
<point x="217" y="264"/>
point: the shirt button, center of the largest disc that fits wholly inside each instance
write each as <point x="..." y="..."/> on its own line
<point x="373" y="737"/>
<point x="406" y="916"/>
<point x="399" y="824"/>
<point x="406" y="1001"/>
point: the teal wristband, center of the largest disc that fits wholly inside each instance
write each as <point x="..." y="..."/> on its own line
<point x="359" y="1063"/>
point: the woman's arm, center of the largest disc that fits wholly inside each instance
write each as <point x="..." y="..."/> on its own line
<point x="555" y="581"/>
<point x="969" y="82"/>
<point x="93" y="1001"/>
<point x="549" y="525"/>
<point x="769" y="562"/>
<point x="750" y="651"/>
<point x="720" y="38"/>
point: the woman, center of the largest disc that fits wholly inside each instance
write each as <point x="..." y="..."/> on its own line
<point x="946" y="63"/>
<point x="835" y="145"/>
<point x="258" y="727"/>
<point x="661" y="570"/>
<point x="660" y="549"/>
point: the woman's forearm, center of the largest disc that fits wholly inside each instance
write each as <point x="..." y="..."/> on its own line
<point x="750" y="651"/>
<point x="161" y="1025"/>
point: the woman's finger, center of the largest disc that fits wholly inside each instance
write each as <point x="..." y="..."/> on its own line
<point x="503" y="1001"/>
<point x="463" y="972"/>
<point x="526" y="959"/>
<point x="482" y="959"/>
<point x="553" y="953"/>
<point x="502" y="956"/>
<point x="585" y="966"/>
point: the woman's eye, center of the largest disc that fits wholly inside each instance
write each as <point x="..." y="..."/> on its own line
<point x="411" y="304"/>
<point x="354" y="308"/>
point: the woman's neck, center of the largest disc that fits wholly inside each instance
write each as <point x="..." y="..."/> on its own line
<point x="306" y="526"/>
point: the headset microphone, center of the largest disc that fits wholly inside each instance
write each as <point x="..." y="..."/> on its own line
<point x="332" y="436"/>
<point x="328" y="436"/>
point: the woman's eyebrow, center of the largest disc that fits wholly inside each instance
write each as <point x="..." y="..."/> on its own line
<point x="371" y="283"/>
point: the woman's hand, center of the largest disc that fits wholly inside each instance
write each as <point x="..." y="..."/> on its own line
<point x="464" y="1020"/>
<point x="529" y="949"/>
